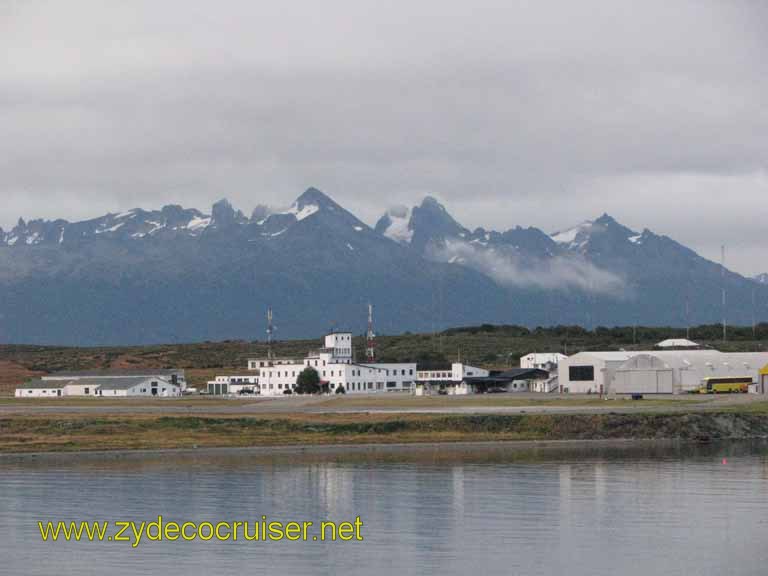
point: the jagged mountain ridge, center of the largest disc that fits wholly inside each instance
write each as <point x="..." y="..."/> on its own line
<point x="178" y="274"/>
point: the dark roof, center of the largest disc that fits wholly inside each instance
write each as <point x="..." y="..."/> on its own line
<point x="117" y="373"/>
<point x="523" y="374"/>
<point x="120" y="383"/>
<point x="37" y="383"/>
<point x="510" y="375"/>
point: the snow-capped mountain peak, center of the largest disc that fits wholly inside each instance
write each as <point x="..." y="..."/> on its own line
<point x="574" y="237"/>
<point x="605" y="228"/>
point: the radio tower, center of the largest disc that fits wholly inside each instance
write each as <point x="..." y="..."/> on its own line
<point x="722" y="272"/>
<point x="370" y="343"/>
<point x="270" y="329"/>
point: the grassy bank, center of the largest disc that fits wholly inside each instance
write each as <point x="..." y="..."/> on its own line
<point x="61" y="433"/>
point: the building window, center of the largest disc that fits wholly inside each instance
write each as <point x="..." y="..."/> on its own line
<point x="581" y="373"/>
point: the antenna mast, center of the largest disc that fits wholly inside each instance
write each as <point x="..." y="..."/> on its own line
<point x="722" y="272"/>
<point x="370" y="343"/>
<point x="270" y="329"/>
<point x="754" y="317"/>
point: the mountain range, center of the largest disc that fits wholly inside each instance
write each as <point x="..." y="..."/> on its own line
<point x="178" y="274"/>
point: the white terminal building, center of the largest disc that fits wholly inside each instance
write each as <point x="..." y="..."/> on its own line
<point x="335" y="365"/>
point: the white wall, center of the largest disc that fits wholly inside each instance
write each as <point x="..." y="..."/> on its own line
<point x="39" y="392"/>
<point x="603" y="370"/>
<point x="541" y="360"/>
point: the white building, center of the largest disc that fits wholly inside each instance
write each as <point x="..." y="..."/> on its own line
<point x="457" y="373"/>
<point x="762" y="385"/>
<point x="99" y="387"/>
<point x="671" y="343"/>
<point x="137" y="386"/>
<point x="680" y="371"/>
<point x="654" y="371"/>
<point x="451" y="382"/>
<point x="173" y="376"/>
<point x="543" y="361"/>
<point x="42" y="389"/>
<point x="337" y="369"/>
<point x="589" y="372"/>
<point x="239" y="384"/>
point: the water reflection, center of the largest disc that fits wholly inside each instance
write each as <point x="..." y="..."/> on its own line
<point x="606" y="509"/>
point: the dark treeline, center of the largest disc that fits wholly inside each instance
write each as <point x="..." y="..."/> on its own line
<point x="704" y="332"/>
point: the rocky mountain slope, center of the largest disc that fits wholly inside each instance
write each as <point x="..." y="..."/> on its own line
<point x="178" y="274"/>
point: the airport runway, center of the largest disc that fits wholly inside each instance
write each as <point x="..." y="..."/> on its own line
<point x="389" y="404"/>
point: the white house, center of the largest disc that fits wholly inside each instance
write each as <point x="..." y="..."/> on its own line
<point x="543" y="361"/>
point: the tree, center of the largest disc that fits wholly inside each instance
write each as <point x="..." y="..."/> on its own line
<point x="308" y="381"/>
<point x="340" y="389"/>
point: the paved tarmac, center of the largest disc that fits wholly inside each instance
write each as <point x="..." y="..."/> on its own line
<point x="389" y="404"/>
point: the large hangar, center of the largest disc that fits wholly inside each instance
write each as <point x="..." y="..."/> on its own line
<point x="590" y="372"/>
<point x="644" y="374"/>
<point x="675" y="372"/>
<point x="656" y="371"/>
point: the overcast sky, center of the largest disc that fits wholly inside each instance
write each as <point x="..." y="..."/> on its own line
<point x="531" y="113"/>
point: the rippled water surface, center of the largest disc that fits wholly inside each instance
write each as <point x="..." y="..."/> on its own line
<point x="471" y="510"/>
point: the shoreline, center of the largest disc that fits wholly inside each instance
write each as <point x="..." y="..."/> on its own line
<point x="299" y="432"/>
<point x="324" y="451"/>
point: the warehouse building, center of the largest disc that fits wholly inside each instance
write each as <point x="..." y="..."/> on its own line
<point x="99" y="387"/>
<point x="681" y="371"/>
<point x="762" y="387"/>
<point x="589" y="372"/>
<point x="657" y="371"/>
<point x="42" y="389"/>
<point x="677" y="343"/>
<point x="174" y="376"/>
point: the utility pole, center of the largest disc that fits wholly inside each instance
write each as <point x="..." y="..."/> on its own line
<point x="370" y="342"/>
<point x="270" y="329"/>
<point x="754" y="319"/>
<point x="722" y="273"/>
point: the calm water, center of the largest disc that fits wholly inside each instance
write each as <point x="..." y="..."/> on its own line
<point x="643" y="510"/>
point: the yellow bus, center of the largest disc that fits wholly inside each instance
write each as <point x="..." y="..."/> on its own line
<point x="725" y="385"/>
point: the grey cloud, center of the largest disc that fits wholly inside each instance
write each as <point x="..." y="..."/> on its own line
<point x="557" y="273"/>
<point x="540" y="114"/>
